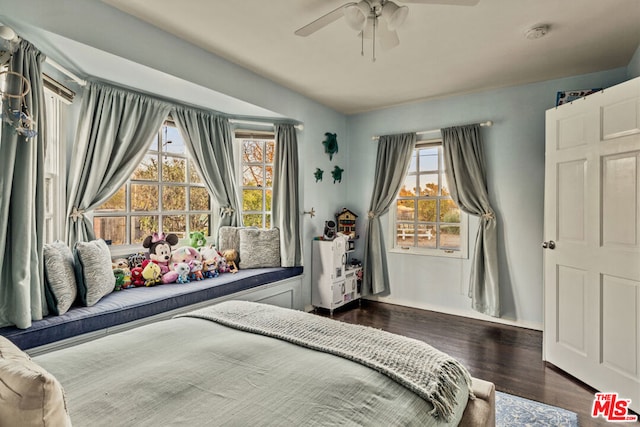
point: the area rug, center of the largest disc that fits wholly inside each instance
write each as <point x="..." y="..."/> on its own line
<point x="516" y="411"/>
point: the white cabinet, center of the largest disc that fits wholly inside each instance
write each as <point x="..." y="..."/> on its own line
<point x="333" y="282"/>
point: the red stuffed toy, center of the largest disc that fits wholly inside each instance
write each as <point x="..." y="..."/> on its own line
<point x="136" y="277"/>
<point x="159" y="247"/>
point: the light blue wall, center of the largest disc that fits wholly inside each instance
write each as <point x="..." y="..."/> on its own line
<point x="633" y="69"/>
<point x="514" y="150"/>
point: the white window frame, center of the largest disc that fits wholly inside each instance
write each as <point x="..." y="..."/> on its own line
<point x="128" y="214"/>
<point x="463" y="252"/>
<point x="245" y="135"/>
<point x="55" y="165"/>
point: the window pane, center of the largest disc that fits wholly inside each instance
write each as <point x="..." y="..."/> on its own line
<point x="427" y="236"/>
<point x="144" y="197"/>
<point x="406" y="210"/>
<point x="252" y="176"/>
<point x="408" y="188"/>
<point x="269" y="176"/>
<point x="142" y="226"/>
<point x="450" y="237"/>
<point x="112" y="228"/>
<point x="271" y="148"/>
<point x="174" y="198"/>
<point x="445" y="186"/>
<point x="175" y="224"/>
<point x="251" y="200"/>
<point x="405" y="235"/>
<point x="198" y="199"/>
<point x="194" y="177"/>
<point x="252" y="220"/>
<point x="172" y="140"/>
<point x="267" y="219"/>
<point x="147" y="170"/>
<point x="252" y="151"/>
<point x="154" y="143"/>
<point x="449" y="212"/>
<point x="428" y="159"/>
<point x="268" y="197"/>
<point x="173" y="169"/>
<point x="428" y="185"/>
<point x="413" y="165"/>
<point x="117" y="202"/>
<point x="427" y="210"/>
<point x="200" y="223"/>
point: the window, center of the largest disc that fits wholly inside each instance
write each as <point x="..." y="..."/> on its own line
<point x="164" y="194"/>
<point x="54" y="182"/>
<point x="257" y="151"/>
<point x="427" y="221"/>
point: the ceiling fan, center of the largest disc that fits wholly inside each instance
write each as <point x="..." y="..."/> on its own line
<point x="374" y="19"/>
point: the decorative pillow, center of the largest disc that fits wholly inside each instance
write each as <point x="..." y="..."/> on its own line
<point x="93" y="271"/>
<point x="259" y="248"/>
<point x="228" y="238"/>
<point x="60" y="280"/>
<point x="30" y="396"/>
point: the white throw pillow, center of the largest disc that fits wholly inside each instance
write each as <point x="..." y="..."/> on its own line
<point x="259" y="248"/>
<point x="60" y="279"/>
<point x="93" y="271"/>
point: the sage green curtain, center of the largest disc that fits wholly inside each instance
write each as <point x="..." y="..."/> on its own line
<point x="285" y="202"/>
<point x="22" y="198"/>
<point x="392" y="163"/>
<point x="209" y="142"/>
<point x="465" y="171"/>
<point x="115" y="129"/>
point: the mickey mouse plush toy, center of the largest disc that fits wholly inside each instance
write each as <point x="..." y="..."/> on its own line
<point x="160" y="252"/>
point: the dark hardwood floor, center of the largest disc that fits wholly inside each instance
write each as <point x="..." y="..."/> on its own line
<point x="508" y="356"/>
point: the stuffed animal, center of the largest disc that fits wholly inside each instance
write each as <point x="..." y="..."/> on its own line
<point x="231" y="255"/>
<point x="136" y="260"/>
<point x="210" y="268"/>
<point x="196" y="269"/>
<point x="119" y="274"/>
<point x="185" y="254"/>
<point x="123" y="264"/>
<point x="159" y="247"/>
<point x="136" y="277"/>
<point x="208" y="252"/>
<point x="198" y="239"/>
<point x="151" y="273"/>
<point x="183" y="270"/>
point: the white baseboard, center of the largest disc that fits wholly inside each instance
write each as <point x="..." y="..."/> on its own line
<point x="457" y="312"/>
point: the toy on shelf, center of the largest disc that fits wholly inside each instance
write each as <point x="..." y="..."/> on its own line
<point x="346" y="221"/>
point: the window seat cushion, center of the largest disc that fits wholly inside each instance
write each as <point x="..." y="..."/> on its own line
<point x="132" y="304"/>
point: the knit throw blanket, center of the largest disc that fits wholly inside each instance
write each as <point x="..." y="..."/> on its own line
<point x="428" y="372"/>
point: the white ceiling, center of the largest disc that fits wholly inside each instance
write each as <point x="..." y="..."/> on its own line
<point x="444" y="49"/>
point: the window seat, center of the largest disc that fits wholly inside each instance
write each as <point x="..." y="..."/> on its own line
<point x="136" y="306"/>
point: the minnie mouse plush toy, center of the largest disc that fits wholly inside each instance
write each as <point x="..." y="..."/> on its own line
<point x="159" y="247"/>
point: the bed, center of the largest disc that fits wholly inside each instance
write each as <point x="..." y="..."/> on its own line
<point x="244" y="363"/>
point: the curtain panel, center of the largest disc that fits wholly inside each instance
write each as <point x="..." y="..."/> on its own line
<point x="285" y="203"/>
<point x="392" y="163"/>
<point x="22" y="198"/>
<point x="466" y="174"/>
<point x="114" y="132"/>
<point x="209" y="141"/>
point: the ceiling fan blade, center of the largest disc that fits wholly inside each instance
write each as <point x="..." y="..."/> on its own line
<point x="388" y="39"/>
<point x="323" y="21"/>
<point x="445" y="2"/>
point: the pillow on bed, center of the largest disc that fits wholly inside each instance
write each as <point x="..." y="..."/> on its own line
<point x="31" y="396"/>
<point x="60" y="280"/>
<point x="93" y="271"/>
<point x="259" y="248"/>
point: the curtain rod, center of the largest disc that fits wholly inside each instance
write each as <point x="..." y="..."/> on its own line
<point x="488" y="123"/>
<point x="256" y="123"/>
<point x="60" y="68"/>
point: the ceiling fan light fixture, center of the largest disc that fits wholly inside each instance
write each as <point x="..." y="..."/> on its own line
<point x="394" y="15"/>
<point x="356" y="15"/>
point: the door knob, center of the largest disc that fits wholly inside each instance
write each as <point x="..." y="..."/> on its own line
<point x="549" y="245"/>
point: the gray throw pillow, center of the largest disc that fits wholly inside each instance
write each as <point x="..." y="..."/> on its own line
<point x="93" y="271"/>
<point x="60" y="278"/>
<point x="259" y="248"/>
<point x="228" y="238"/>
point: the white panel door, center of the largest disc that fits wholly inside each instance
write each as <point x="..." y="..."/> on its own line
<point x="592" y="240"/>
